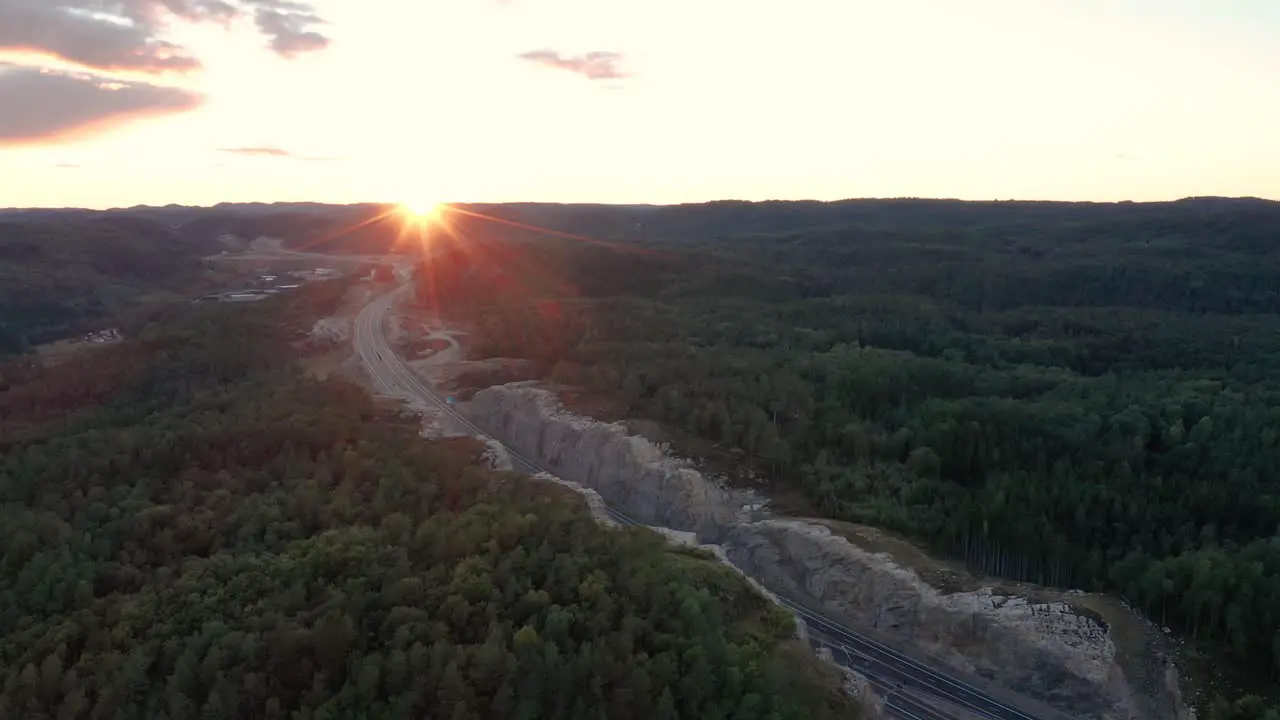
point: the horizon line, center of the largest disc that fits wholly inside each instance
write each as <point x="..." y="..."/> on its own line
<point x="809" y="201"/>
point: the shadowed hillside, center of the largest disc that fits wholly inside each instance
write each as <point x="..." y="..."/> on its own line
<point x="59" y="272"/>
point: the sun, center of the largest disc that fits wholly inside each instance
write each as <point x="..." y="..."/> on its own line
<point x="421" y="223"/>
<point x="420" y="209"/>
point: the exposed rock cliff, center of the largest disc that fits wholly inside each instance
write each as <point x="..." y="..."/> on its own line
<point x="632" y="473"/>
<point x="1046" y="651"/>
<point x="331" y="329"/>
<point x="495" y="455"/>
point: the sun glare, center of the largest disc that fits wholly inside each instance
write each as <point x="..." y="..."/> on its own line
<point x="420" y="210"/>
<point x="421" y="222"/>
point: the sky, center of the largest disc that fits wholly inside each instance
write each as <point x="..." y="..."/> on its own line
<point x="109" y="103"/>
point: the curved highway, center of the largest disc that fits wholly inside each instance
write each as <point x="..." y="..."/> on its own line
<point x="911" y="689"/>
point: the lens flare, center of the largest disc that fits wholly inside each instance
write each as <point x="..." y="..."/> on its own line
<point x="420" y="209"/>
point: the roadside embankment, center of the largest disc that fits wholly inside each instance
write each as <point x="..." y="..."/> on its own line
<point x="632" y="473"/>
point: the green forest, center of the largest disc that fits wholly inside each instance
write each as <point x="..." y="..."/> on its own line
<point x="1080" y="395"/>
<point x="191" y="528"/>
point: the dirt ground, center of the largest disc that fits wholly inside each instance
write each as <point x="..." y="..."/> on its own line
<point x="325" y="365"/>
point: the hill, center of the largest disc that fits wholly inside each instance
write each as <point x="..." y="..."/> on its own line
<point x="62" y="271"/>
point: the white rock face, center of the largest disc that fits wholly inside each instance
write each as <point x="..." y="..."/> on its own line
<point x="495" y="455"/>
<point x="635" y="475"/>
<point x="331" y="329"/>
<point x="1047" y="651"/>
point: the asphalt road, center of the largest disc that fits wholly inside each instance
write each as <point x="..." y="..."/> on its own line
<point x="906" y="684"/>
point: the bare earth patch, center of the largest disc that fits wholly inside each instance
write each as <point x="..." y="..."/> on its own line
<point x="324" y="365"/>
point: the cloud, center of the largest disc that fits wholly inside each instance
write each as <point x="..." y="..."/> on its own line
<point x="45" y="106"/>
<point x="288" y="29"/>
<point x="128" y="35"/>
<point x="258" y="151"/>
<point x="67" y="166"/>
<point x="598" y="65"/>
<point x="274" y="152"/>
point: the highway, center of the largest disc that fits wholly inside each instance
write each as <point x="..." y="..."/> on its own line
<point x="907" y="685"/>
<point x="392" y="376"/>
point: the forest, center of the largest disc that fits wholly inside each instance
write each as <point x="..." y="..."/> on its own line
<point x="61" y="272"/>
<point x="1074" y="394"/>
<point x="192" y="528"/>
<point x="1080" y="395"/>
